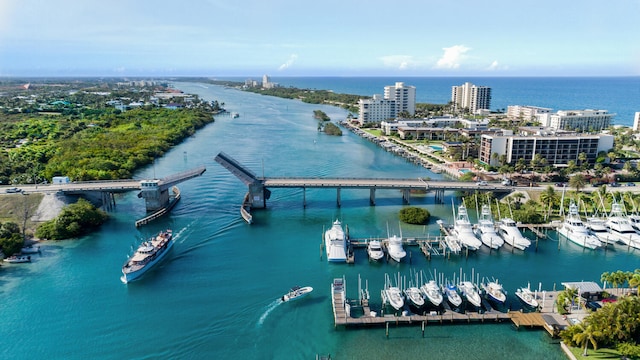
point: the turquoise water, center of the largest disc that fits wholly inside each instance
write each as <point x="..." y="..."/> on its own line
<point x="464" y="171"/>
<point x="436" y="147"/>
<point x="216" y="294"/>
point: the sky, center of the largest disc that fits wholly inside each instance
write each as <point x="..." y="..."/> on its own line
<point x="219" y="38"/>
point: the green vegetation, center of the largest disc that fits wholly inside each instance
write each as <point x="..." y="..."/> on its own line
<point x="321" y="115"/>
<point x="332" y="129"/>
<point x="11" y="239"/>
<point x="414" y="215"/>
<point x="75" y="220"/>
<point x="345" y="101"/>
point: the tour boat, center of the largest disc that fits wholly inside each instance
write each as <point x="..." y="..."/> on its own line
<point x="509" y="231"/>
<point x="487" y="229"/>
<point x="16" y="259"/>
<point x="414" y="295"/>
<point x="495" y="292"/>
<point x="296" y="293"/>
<point x="451" y="291"/>
<point x="432" y="292"/>
<point x="620" y="227"/>
<point x="374" y="250"/>
<point x="470" y="292"/>
<point x="527" y="297"/>
<point x="574" y="229"/>
<point x="148" y="254"/>
<point x="395" y="249"/>
<point x="463" y="230"/>
<point x="335" y="242"/>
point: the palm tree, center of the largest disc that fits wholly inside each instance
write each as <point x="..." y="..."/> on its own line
<point x="587" y="335"/>
<point x="548" y="197"/>
<point x="577" y="181"/>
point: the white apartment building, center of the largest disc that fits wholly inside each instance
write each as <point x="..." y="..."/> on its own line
<point x="405" y="97"/>
<point x="636" y="121"/>
<point x="581" y="120"/>
<point x="471" y="97"/>
<point x="525" y="112"/>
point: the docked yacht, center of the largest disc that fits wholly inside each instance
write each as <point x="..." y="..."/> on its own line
<point x="620" y="227"/>
<point x="414" y="296"/>
<point x="598" y="228"/>
<point x="527" y="297"/>
<point x="395" y="248"/>
<point x="148" y="254"/>
<point x="464" y="231"/>
<point x="470" y="292"/>
<point x="509" y="231"/>
<point x="574" y="229"/>
<point x="432" y="292"/>
<point x="374" y="250"/>
<point x="495" y="292"/>
<point x="454" y="299"/>
<point x="335" y="242"/>
<point x="393" y="297"/>
<point x="487" y="229"/>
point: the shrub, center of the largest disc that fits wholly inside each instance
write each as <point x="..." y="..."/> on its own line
<point x="414" y="215"/>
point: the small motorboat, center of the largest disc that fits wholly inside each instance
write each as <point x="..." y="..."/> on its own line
<point x="296" y="293"/>
<point x="30" y="249"/>
<point x="374" y="250"/>
<point x="527" y="297"/>
<point x="18" y="259"/>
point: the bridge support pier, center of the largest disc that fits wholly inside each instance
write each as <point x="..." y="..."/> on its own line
<point x="372" y="196"/>
<point x="304" y="197"/>
<point x="338" y="197"/>
<point x="406" y="196"/>
<point x="108" y="200"/>
<point x="258" y="197"/>
<point x="438" y="196"/>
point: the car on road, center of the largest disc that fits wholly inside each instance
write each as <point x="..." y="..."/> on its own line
<point x="13" y="190"/>
<point x="560" y="184"/>
<point x="631" y="184"/>
<point x="482" y="183"/>
<point x="614" y="184"/>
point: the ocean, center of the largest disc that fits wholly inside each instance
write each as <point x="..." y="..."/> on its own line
<point x="216" y="296"/>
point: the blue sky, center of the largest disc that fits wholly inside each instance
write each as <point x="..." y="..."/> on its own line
<point x="319" y="38"/>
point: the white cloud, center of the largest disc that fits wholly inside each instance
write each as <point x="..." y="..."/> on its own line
<point x="495" y="66"/>
<point x="292" y="59"/>
<point x="400" y="62"/>
<point x="452" y="57"/>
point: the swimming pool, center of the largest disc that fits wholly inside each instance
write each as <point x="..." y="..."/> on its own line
<point x="436" y="147"/>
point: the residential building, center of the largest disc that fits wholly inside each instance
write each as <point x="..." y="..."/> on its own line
<point x="525" y="112"/>
<point x="397" y="98"/>
<point x="556" y="147"/>
<point x="404" y="96"/>
<point x="472" y="97"/>
<point x="580" y="120"/>
<point x="636" y="121"/>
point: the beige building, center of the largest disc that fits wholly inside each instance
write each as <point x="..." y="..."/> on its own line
<point x="581" y="120"/>
<point x="472" y="97"/>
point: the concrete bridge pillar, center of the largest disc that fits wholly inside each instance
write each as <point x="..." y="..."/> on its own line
<point x="258" y="196"/>
<point x="155" y="199"/>
<point x="338" y="197"/>
<point x="372" y="196"/>
<point x="406" y="196"/>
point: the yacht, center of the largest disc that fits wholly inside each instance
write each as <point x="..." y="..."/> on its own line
<point x="454" y="299"/>
<point x="393" y="297"/>
<point x="335" y="243"/>
<point x="374" y="250"/>
<point x="574" y="229"/>
<point x="414" y="296"/>
<point x="487" y="229"/>
<point x="598" y="228"/>
<point x="527" y="297"/>
<point x="395" y="249"/>
<point x="148" y="254"/>
<point x="620" y="227"/>
<point x="463" y="230"/>
<point x="495" y="292"/>
<point x="634" y="219"/>
<point x="470" y="292"/>
<point x="432" y="292"/>
<point x="509" y="231"/>
<point x="296" y="293"/>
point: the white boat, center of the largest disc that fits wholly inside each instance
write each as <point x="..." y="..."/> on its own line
<point x="16" y="259"/>
<point x="574" y="229"/>
<point x="31" y="249"/>
<point x="463" y="230"/>
<point x="471" y="293"/>
<point x="527" y="297"/>
<point x="495" y="292"/>
<point x="620" y="227"/>
<point x="453" y="244"/>
<point x="510" y="233"/>
<point x="414" y="295"/>
<point x="395" y="248"/>
<point x="335" y="242"/>
<point x="487" y="229"/>
<point x="598" y="228"/>
<point x="451" y="291"/>
<point x="393" y="297"/>
<point x="296" y="293"/>
<point x="148" y="254"/>
<point x="634" y="220"/>
<point x="432" y="292"/>
<point x="374" y="250"/>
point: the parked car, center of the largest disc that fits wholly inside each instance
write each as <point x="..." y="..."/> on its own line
<point x="13" y="190"/>
<point x="631" y="184"/>
<point x="614" y="184"/>
<point x="592" y="305"/>
<point x="482" y="183"/>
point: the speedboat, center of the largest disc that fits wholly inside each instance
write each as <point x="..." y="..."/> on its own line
<point x="335" y="242"/>
<point x="30" y="249"/>
<point x="16" y="259"/>
<point x="374" y="250"/>
<point x="296" y="293"/>
<point x="574" y="229"/>
<point x="508" y="229"/>
<point x="495" y="292"/>
<point x="393" y="297"/>
<point x="453" y="243"/>
<point x="414" y="295"/>
<point x="487" y="229"/>
<point x="464" y="231"/>
<point x="527" y="297"/>
<point x="451" y="291"/>
<point x="470" y="292"/>
<point x="395" y="249"/>
<point x="598" y="228"/>
<point x="432" y="292"/>
<point x="148" y="254"/>
<point x="620" y="227"/>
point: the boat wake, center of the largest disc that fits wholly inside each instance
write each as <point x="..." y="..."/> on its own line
<point x="269" y="309"/>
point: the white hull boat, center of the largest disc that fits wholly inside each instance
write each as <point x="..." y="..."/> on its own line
<point x="335" y="242"/>
<point x="432" y="292"/>
<point x="621" y="229"/>
<point x="487" y="229"/>
<point x="575" y="231"/>
<point x="451" y="291"/>
<point x="470" y="292"/>
<point x="297" y="293"/>
<point x="374" y="250"/>
<point x="414" y="296"/>
<point x="395" y="248"/>
<point x="527" y="297"/>
<point x="148" y="254"/>
<point x="31" y="249"/>
<point x="453" y="244"/>
<point x="598" y="229"/>
<point x="393" y="297"/>
<point x="17" y="259"/>
<point x="464" y="231"/>
<point x="510" y="233"/>
<point x="495" y="292"/>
